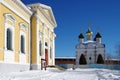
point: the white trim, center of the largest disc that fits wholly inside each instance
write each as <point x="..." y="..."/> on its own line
<point x="23" y="6"/>
<point x="43" y="43"/>
<point x="40" y="8"/>
<point x="23" y="26"/>
<point x="15" y="63"/>
<point x="22" y="56"/>
<point x="14" y="10"/>
<point x="29" y="43"/>
<point x="8" y="56"/>
<point x="43" y="21"/>
<point x="53" y="50"/>
<point x="11" y="27"/>
<point x="37" y="42"/>
<point x="9" y="17"/>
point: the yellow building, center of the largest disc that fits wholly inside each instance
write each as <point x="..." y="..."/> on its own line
<point x="26" y="35"/>
<point x="42" y="36"/>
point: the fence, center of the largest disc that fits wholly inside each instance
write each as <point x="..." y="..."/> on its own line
<point x="104" y="66"/>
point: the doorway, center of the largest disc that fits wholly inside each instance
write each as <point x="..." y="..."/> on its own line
<point x="100" y="59"/>
<point x="82" y="60"/>
<point x="46" y="56"/>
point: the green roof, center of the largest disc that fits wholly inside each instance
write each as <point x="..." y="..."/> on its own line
<point x="98" y="35"/>
<point x="81" y="36"/>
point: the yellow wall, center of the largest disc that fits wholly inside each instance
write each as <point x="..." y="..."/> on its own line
<point x="16" y="57"/>
<point x="5" y="10"/>
<point x="17" y="8"/>
<point x="1" y="34"/>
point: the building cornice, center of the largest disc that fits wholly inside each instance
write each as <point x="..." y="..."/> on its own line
<point x="5" y="3"/>
<point x="39" y="6"/>
<point x="22" y="6"/>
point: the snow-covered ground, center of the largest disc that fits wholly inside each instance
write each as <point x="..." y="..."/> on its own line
<point x="55" y="74"/>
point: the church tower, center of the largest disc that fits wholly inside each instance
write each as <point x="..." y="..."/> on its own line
<point x="81" y="38"/>
<point x="98" y="37"/>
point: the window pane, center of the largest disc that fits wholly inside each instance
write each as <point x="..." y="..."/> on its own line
<point x="50" y="52"/>
<point x="9" y="39"/>
<point x="40" y="48"/>
<point x="22" y="44"/>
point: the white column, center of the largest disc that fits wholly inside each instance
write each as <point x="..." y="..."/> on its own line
<point x="29" y="50"/>
<point x="43" y="41"/>
<point x="49" y="46"/>
<point x="37" y="42"/>
<point x="53" y="49"/>
<point x="77" y="57"/>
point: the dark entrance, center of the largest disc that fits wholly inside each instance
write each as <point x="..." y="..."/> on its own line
<point x="82" y="60"/>
<point x="46" y="56"/>
<point x="100" y="59"/>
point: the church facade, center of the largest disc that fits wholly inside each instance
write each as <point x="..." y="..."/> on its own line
<point x="26" y="35"/>
<point x="90" y="51"/>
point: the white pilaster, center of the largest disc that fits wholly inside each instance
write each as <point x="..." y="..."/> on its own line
<point x="53" y="49"/>
<point x="43" y="41"/>
<point x="37" y="42"/>
<point x="49" y="46"/>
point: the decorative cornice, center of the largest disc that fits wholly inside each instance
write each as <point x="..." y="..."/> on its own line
<point x="22" y="6"/>
<point x="10" y="17"/>
<point x="40" y="7"/>
<point x="23" y="26"/>
<point x="43" y="24"/>
<point x="5" y="3"/>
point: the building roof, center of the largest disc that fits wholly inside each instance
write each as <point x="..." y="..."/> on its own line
<point x="98" y="35"/>
<point x="65" y="57"/>
<point x="81" y="36"/>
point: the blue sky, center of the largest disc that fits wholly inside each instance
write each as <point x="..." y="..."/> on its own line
<point x="72" y="15"/>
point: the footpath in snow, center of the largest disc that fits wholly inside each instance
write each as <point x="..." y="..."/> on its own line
<point x="55" y="74"/>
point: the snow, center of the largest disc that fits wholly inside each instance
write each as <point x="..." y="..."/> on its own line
<point x="69" y="74"/>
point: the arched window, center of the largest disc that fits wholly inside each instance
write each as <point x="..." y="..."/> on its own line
<point x="9" y="39"/>
<point x="46" y="44"/>
<point x="100" y="59"/>
<point x="22" y="44"/>
<point x="50" y="52"/>
<point x="40" y="48"/>
<point x="82" y="60"/>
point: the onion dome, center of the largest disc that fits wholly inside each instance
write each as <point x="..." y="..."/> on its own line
<point x="89" y="33"/>
<point x="98" y="35"/>
<point x="81" y="36"/>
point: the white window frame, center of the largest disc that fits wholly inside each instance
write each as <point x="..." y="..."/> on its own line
<point x="9" y="54"/>
<point x="9" y="17"/>
<point x="22" y="58"/>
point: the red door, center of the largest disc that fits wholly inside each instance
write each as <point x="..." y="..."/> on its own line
<point x="46" y="56"/>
